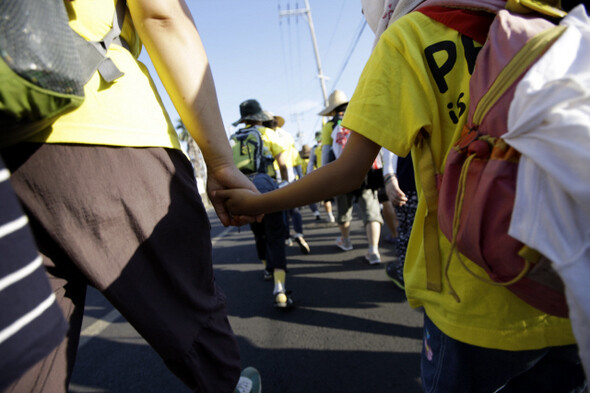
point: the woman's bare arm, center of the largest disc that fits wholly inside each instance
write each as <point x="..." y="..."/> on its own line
<point x="170" y="36"/>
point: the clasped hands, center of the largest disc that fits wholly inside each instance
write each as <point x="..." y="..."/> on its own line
<point x="232" y="195"/>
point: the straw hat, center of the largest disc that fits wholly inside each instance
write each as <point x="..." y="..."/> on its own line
<point x="280" y="121"/>
<point x="336" y="99"/>
<point x="251" y="110"/>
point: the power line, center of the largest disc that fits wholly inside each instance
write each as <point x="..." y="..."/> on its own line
<point x="335" y="22"/>
<point x="307" y="12"/>
<point x="351" y="49"/>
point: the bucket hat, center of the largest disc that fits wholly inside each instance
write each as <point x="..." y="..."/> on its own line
<point x="336" y="99"/>
<point x="251" y="110"/>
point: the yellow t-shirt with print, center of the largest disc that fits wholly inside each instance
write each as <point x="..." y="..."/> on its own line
<point x="398" y="95"/>
<point x="127" y="112"/>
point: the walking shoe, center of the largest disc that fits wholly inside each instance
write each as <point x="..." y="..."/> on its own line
<point x="343" y="244"/>
<point x="283" y="299"/>
<point x="373" y="258"/>
<point x="250" y="381"/>
<point x="303" y="246"/>
<point x="395" y="271"/>
<point x="267" y="275"/>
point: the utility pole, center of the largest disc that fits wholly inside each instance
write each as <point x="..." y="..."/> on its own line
<point x="307" y="12"/>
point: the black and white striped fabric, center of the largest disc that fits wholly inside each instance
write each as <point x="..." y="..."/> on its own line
<point x="31" y="322"/>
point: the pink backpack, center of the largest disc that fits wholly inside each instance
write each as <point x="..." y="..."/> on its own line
<point x="473" y="200"/>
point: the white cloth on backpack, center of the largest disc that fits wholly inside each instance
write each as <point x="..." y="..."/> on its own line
<point x="340" y="137"/>
<point x="549" y="123"/>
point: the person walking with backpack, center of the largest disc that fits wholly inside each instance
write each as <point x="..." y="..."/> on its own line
<point x="314" y="162"/>
<point x="476" y="337"/>
<point x="292" y="162"/>
<point x="113" y="203"/>
<point x="271" y="233"/>
<point x="337" y="101"/>
<point x="365" y="196"/>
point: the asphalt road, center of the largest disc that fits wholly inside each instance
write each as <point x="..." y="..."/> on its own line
<point x="351" y="330"/>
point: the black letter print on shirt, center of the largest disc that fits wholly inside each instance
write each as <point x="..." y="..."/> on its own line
<point x="439" y="72"/>
<point x="471" y="52"/>
<point x="460" y="105"/>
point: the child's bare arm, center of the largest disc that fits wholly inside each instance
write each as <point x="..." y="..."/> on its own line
<point x="339" y="177"/>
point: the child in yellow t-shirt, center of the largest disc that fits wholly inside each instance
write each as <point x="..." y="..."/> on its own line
<point x="416" y="84"/>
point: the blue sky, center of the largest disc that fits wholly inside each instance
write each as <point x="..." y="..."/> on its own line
<point x="255" y="53"/>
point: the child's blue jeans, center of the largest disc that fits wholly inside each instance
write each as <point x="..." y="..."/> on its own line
<point x="450" y="366"/>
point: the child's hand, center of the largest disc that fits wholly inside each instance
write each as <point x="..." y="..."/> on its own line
<point x="239" y="202"/>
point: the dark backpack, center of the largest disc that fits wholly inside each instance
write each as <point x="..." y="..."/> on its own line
<point x="247" y="148"/>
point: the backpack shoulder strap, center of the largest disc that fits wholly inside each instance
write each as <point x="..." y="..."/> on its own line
<point x="93" y="53"/>
<point x="512" y="71"/>
<point x="428" y="180"/>
<point x="249" y="129"/>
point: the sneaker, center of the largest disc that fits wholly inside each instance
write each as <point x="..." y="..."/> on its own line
<point x="395" y="271"/>
<point x="343" y="244"/>
<point x="283" y="299"/>
<point x="250" y="381"/>
<point x="373" y="259"/>
<point x="331" y="219"/>
<point x="267" y="275"/>
<point x="303" y="246"/>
